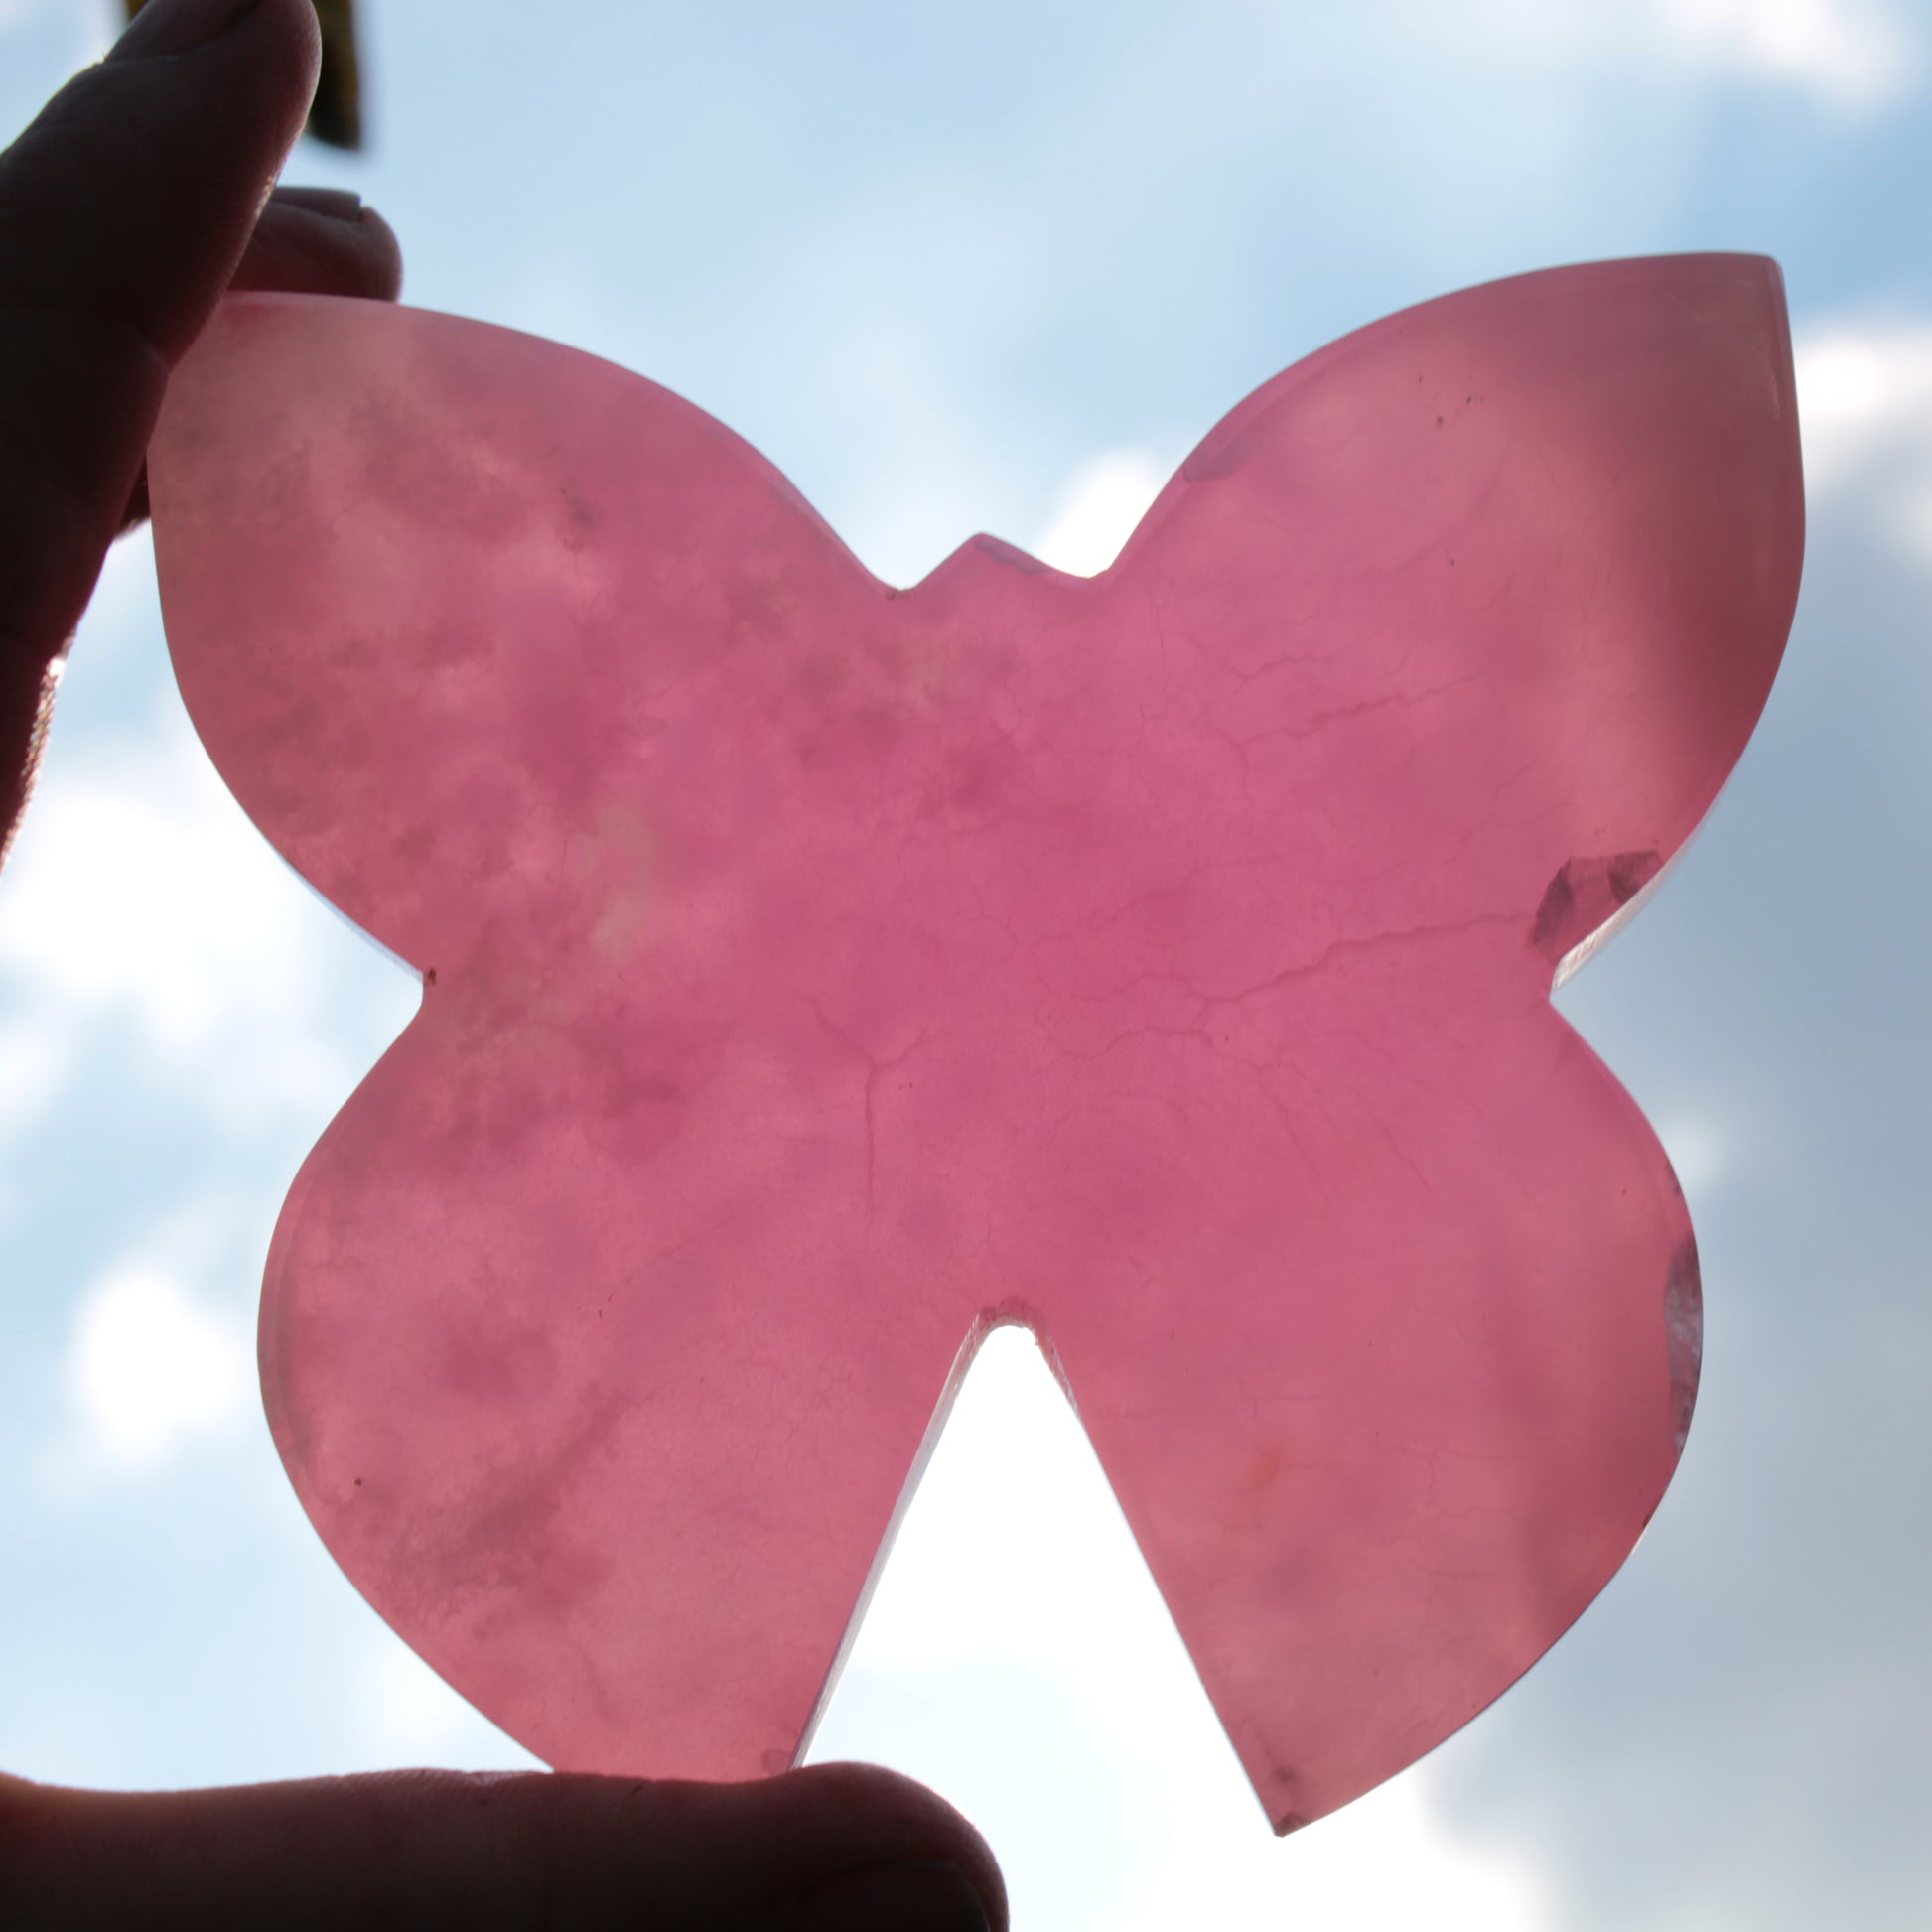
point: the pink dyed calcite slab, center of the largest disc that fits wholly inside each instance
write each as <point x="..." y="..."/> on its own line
<point x="816" y="972"/>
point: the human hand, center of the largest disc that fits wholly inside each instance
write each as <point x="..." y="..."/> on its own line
<point x="125" y="210"/>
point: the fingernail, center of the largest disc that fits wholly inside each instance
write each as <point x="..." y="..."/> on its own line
<point x="336" y="204"/>
<point x="177" y="26"/>
<point x="892" y="1899"/>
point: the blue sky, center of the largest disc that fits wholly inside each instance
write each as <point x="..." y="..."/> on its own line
<point x="999" y="268"/>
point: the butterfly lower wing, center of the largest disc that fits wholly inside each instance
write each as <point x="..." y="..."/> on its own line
<point x="610" y="1447"/>
<point x="1389" y="1362"/>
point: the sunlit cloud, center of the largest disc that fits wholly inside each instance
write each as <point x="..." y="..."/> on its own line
<point x="1865" y="403"/>
<point x="151" y="1368"/>
<point x="1851" y="52"/>
<point x="1095" y="513"/>
<point x="1863" y="386"/>
<point x="1389" y="1860"/>
<point x="137" y="894"/>
<point x="34" y="1061"/>
<point x="137" y="888"/>
<point x="1851" y="56"/>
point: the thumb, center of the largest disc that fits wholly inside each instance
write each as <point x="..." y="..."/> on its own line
<point x="838" y="1848"/>
<point x="123" y="211"/>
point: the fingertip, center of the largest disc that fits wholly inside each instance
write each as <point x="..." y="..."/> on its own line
<point x="283" y="36"/>
<point x="312" y="242"/>
<point x="173" y="29"/>
<point x="889" y="1820"/>
<point x="384" y="256"/>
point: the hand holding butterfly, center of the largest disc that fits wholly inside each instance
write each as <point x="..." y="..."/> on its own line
<point x="125" y="210"/>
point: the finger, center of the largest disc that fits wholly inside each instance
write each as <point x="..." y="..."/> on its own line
<point x="321" y="242"/>
<point x="125" y="209"/>
<point x="839" y="1848"/>
<point x="309" y="241"/>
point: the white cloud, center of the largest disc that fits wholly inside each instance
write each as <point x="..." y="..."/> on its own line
<point x="1095" y="513"/>
<point x="1388" y="1860"/>
<point x="1865" y="406"/>
<point x="1861" y="386"/>
<point x="138" y="892"/>
<point x="34" y="1061"/>
<point x="152" y="1367"/>
<point x="1853" y="53"/>
<point x="136" y="885"/>
<point x="1850" y="54"/>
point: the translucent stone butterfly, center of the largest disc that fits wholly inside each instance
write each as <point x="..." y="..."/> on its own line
<point x="816" y="972"/>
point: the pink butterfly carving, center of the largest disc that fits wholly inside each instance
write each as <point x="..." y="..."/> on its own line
<point x="817" y="973"/>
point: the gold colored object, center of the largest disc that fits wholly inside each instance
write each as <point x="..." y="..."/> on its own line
<point x="335" y="114"/>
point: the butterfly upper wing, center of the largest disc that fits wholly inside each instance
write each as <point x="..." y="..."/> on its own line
<point x="1537" y="547"/>
<point x="433" y="590"/>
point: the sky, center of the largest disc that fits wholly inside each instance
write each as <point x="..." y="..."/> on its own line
<point x="999" y="268"/>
